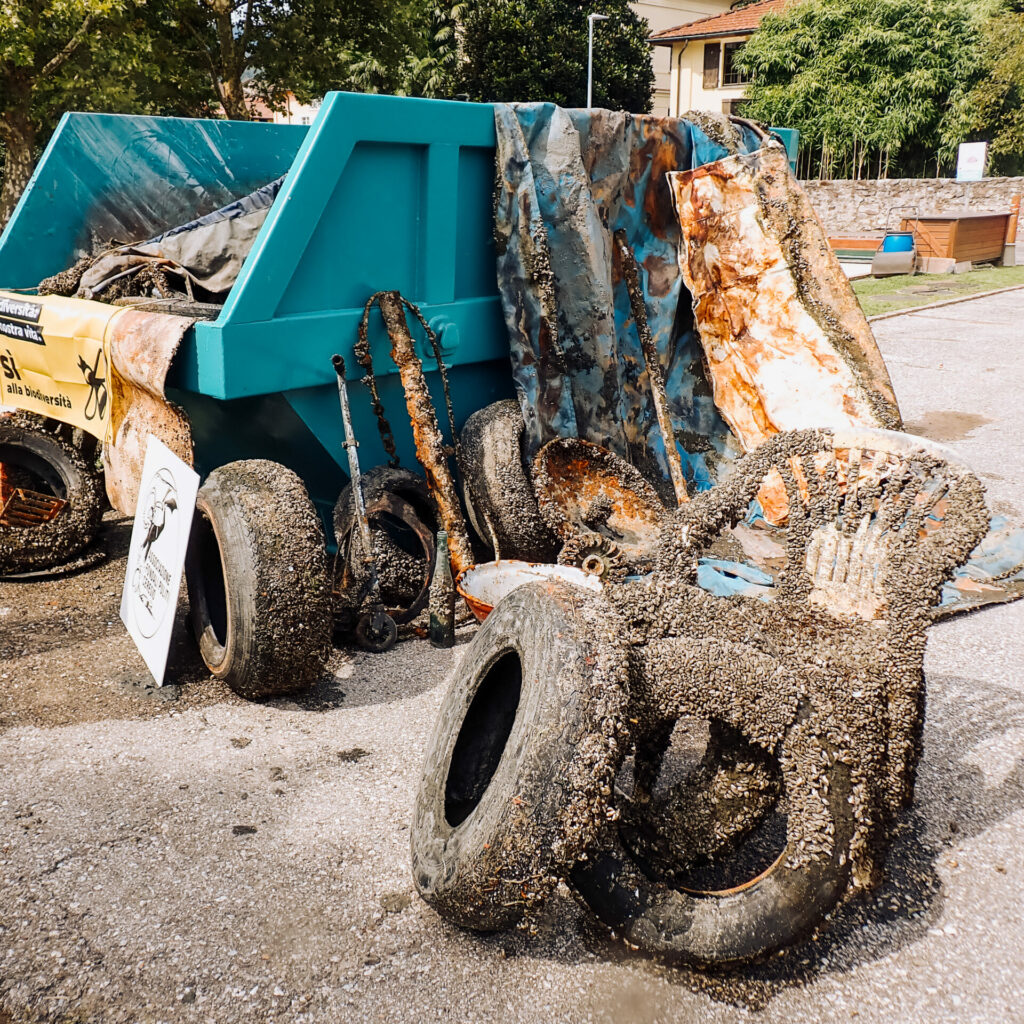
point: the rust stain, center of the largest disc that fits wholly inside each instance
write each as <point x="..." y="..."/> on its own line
<point x="581" y="485"/>
<point x="430" y="447"/>
<point x="786" y="344"/>
<point x="142" y="347"/>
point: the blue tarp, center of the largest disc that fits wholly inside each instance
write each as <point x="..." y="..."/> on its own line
<point x="568" y="179"/>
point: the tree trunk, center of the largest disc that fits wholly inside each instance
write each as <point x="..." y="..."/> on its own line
<point x="232" y="99"/>
<point x="232" y="63"/>
<point x="19" y="136"/>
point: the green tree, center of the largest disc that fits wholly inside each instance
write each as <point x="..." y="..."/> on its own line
<point x="43" y="47"/>
<point x="993" y="109"/>
<point x="60" y="55"/>
<point x="319" y="45"/>
<point x="869" y="83"/>
<point x="518" y="50"/>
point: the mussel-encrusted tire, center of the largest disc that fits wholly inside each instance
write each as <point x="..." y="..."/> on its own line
<point x="258" y="582"/>
<point x="48" y="462"/>
<point x="499" y="495"/>
<point x="775" y="909"/>
<point x="519" y="770"/>
<point x="403" y="541"/>
<point x="379" y="480"/>
<point x="708" y="813"/>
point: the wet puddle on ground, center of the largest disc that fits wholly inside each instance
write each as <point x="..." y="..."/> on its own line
<point x="946" y="425"/>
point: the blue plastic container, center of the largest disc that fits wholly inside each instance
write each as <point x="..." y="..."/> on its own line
<point x="898" y="241"/>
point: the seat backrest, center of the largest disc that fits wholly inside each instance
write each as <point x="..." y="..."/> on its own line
<point x="872" y="522"/>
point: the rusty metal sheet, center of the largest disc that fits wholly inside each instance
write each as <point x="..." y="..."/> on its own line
<point x="142" y="347"/>
<point x="581" y="486"/>
<point x="785" y="342"/>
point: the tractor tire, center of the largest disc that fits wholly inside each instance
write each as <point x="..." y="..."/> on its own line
<point x="39" y="459"/>
<point x="497" y="491"/>
<point x="777" y="908"/>
<point x="520" y="766"/>
<point x="258" y="581"/>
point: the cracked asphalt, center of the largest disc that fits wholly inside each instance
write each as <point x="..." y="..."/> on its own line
<point x="184" y="856"/>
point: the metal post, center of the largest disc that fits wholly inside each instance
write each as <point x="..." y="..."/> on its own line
<point x="591" y="18"/>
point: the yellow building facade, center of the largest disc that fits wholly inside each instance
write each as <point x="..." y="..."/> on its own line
<point x="701" y="74"/>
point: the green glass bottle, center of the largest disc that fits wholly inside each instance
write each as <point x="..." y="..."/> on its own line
<point x="442" y="596"/>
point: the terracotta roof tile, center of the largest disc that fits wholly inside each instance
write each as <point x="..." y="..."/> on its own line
<point x="732" y="23"/>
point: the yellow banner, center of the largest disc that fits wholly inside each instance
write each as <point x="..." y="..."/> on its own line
<point x="54" y="358"/>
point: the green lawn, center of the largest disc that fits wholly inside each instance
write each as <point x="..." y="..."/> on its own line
<point x="886" y="294"/>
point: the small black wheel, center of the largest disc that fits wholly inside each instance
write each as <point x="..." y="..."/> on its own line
<point x="43" y="461"/>
<point x="376" y="631"/>
<point x="497" y="490"/>
<point x="523" y="757"/>
<point x="258" y="582"/>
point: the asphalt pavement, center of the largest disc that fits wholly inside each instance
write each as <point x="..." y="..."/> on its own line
<point x="203" y="859"/>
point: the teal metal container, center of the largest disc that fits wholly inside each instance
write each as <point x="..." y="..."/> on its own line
<point x="790" y="138"/>
<point x="381" y="193"/>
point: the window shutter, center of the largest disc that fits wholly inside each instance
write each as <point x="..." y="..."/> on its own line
<point x="712" y="53"/>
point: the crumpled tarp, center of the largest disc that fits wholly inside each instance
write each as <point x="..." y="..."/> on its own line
<point x="567" y="180"/>
<point x="208" y="251"/>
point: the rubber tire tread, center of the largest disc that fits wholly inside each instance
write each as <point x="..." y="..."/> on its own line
<point x="381" y="480"/>
<point x="24" y="549"/>
<point x="546" y="799"/>
<point x="276" y="580"/>
<point x="497" y="490"/>
<point x="779" y="908"/>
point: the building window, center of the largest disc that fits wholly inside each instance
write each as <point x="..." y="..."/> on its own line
<point x="734" y="107"/>
<point x="711" y="56"/>
<point x="731" y="75"/>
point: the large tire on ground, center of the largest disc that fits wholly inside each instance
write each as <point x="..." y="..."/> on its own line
<point x="520" y="767"/>
<point x="48" y="461"/>
<point x="498" y="494"/>
<point x="776" y="908"/>
<point x="258" y="582"/>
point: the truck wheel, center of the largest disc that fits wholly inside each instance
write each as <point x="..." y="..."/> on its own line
<point x="520" y="766"/>
<point x="498" y="494"/>
<point x="38" y="460"/>
<point x="776" y="908"/>
<point x="258" y="584"/>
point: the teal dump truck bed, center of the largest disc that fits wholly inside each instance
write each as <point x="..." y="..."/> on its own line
<point x="381" y="193"/>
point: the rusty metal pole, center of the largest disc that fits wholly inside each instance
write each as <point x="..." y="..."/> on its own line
<point x="654" y="372"/>
<point x="430" y="448"/>
<point x="1010" y="243"/>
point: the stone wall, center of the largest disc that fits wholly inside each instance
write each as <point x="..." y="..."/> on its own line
<point x="860" y="207"/>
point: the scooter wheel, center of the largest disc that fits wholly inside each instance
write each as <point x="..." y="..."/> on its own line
<point x="376" y="631"/>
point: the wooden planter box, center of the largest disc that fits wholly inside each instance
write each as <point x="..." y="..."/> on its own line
<point x="963" y="237"/>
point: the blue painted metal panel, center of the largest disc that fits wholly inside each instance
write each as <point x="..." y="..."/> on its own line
<point x="112" y="176"/>
<point x="790" y="138"/>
